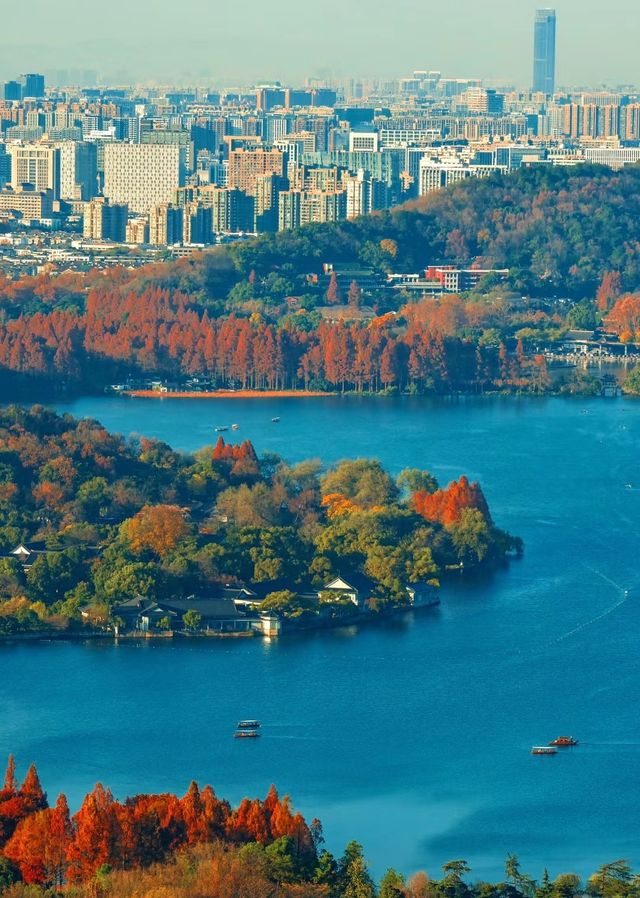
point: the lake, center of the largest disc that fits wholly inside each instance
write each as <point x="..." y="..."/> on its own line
<point x="413" y="738"/>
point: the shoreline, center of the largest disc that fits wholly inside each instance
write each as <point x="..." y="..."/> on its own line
<point x="225" y="394"/>
<point x="390" y="615"/>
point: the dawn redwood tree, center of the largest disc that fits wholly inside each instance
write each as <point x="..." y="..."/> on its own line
<point x="40" y="844"/>
<point x="354" y="297"/>
<point x="31" y="791"/>
<point x="334" y="294"/>
<point x="97" y="835"/>
<point x="609" y="290"/>
<point x="446" y="505"/>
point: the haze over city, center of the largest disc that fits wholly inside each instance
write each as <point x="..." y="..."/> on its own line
<point x="156" y="40"/>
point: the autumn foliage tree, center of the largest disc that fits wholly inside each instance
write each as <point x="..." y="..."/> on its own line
<point x="18" y="802"/>
<point x="40" y="844"/>
<point x="334" y="294"/>
<point x="157" y="529"/>
<point x="624" y="317"/>
<point x="608" y="290"/>
<point x="446" y="505"/>
<point x="50" y="849"/>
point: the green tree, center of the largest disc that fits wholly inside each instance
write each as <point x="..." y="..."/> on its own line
<point x="281" y="864"/>
<point x="544" y="888"/>
<point x="326" y="872"/>
<point x="118" y="579"/>
<point x="521" y="881"/>
<point x="8" y="874"/>
<point x="288" y="603"/>
<point x="363" y="481"/>
<point x="413" y="480"/>
<point x="632" y="382"/>
<point x="567" y="885"/>
<point x="53" y="574"/>
<point x="12" y="581"/>
<point x="354" y="878"/>
<point x="93" y="497"/>
<point x="192" y="619"/>
<point x="471" y="536"/>
<point x="582" y="315"/>
<point x="611" y="880"/>
<point x="392" y="885"/>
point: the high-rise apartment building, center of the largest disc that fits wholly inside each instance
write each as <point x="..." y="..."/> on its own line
<point x="265" y="207"/>
<point x="359" y="192"/>
<point x="78" y="170"/>
<point x="142" y="175"/>
<point x="33" y="85"/>
<point x="246" y="166"/>
<point x="12" y="91"/>
<point x="137" y="231"/>
<point x="544" y="51"/>
<point x="36" y="164"/>
<point x="173" y="138"/>
<point x="105" y="221"/>
<point x="435" y="175"/>
<point x="232" y="210"/>
<point x="197" y="224"/>
<point x="318" y="206"/>
<point x="165" y="225"/>
<point x="5" y="166"/>
<point x="289" y="209"/>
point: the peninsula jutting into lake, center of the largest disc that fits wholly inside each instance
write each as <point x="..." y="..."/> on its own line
<point x="102" y="533"/>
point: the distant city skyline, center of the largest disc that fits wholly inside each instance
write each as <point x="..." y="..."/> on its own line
<point x="159" y="41"/>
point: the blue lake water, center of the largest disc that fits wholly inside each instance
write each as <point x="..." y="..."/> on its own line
<point x="415" y="739"/>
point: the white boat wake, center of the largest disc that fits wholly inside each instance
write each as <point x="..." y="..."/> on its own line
<point x="598" y="617"/>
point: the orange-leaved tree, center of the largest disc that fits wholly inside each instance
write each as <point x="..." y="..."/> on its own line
<point x="156" y="528"/>
<point x="40" y="844"/>
<point x="445" y="506"/>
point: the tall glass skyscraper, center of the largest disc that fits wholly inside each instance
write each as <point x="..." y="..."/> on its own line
<point x="544" y="51"/>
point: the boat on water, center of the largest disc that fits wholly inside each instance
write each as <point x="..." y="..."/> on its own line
<point x="235" y="426"/>
<point x="221" y="429"/>
<point x="563" y="742"/>
<point x="275" y="420"/>
<point x="249" y="725"/>
<point x="544" y="750"/>
<point x="247" y="734"/>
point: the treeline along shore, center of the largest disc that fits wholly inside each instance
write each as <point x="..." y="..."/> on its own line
<point x="340" y="307"/>
<point x="199" y="846"/>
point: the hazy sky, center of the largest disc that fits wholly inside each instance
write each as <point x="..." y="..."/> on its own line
<point x="234" y="40"/>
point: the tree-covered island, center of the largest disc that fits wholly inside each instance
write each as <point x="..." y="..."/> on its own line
<point x="106" y="534"/>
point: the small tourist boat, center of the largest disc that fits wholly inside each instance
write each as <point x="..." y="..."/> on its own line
<point x="544" y="750"/>
<point x="564" y="742"/>
<point x="275" y="420"/>
<point x="249" y="725"/>
<point x="247" y="734"/>
<point x="221" y="429"/>
<point x="235" y="426"/>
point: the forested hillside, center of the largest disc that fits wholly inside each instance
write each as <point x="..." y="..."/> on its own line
<point x="247" y="314"/>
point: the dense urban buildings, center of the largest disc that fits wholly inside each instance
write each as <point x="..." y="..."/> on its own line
<point x="161" y="167"/>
